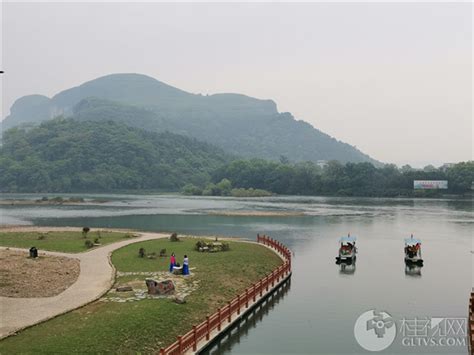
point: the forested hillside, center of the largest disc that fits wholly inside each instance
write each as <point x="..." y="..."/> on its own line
<point x="237" y="123"/>
<point x="65" y="155"/>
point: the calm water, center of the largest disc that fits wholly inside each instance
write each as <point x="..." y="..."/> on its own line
<point x="317" y="313"/>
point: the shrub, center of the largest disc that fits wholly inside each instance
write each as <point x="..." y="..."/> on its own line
<point x="141" y="252"/>
<point x="199" y="244"/>
<point x="88" y="244"/>
<point x="85" y="230"/>
<point x="225" y="247"/>
<point x="42" y="236"/>
<point x="192" y="190"/>
<point x="174" y="237"/>
<point x="96" y="241"/>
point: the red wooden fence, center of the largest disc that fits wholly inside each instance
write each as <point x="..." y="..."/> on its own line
<point x="470" y="324"/>
<point x="224" y="314"/>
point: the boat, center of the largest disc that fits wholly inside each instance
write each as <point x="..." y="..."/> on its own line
<point x="347" y="250"/>
<point x="413" y="251"/>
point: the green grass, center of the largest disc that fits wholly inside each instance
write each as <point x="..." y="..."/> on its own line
<point x="145" y="326"/>
<point x="67" y="242"/>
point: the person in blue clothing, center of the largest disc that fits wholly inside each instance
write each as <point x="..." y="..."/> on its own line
<point x="186" y="265"/>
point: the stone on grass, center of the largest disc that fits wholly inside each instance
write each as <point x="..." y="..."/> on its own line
<point x="124" y="288"/>
<point x="179" y="300"/>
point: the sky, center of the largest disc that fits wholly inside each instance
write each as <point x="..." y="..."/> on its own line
<point x="392" y="79"/>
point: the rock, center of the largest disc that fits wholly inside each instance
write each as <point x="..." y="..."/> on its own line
<point x="124" y="289"/>
<point x="159" y="288"/>
<point x="179" y="300"/>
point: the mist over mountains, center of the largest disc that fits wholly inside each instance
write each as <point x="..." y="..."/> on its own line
<point x="238" y="124"/>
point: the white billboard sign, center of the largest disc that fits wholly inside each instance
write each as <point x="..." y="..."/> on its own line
<point x="430" y="184"/>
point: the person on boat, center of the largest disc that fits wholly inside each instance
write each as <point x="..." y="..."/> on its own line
<point x="186" y="265"/>
<point x="172" y="261"/>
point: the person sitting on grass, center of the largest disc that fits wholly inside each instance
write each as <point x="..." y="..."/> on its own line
<point x="186" y="265"/>
<point x="172" y="261"/>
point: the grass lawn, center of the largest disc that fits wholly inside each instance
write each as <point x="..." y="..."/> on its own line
<point x="145" y="326"/>
<point x="67" y="242"/>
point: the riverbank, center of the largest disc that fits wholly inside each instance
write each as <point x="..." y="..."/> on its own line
<point x="145" y="324"/>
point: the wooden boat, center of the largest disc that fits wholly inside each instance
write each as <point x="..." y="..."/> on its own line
<point x="413" y="251"/>
<point x="347" y="250"/>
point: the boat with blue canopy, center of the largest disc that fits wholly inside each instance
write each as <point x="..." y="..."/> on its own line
<point x="347" y="249"/>
<point x="413" y="251"/>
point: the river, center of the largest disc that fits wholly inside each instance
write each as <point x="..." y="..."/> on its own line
<point x="318" y="312"/>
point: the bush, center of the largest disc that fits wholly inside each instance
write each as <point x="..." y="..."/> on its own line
<point x="191" y="190"/>
<point x="250" y="192"/>
<point x="174" y="237"/>
<point x="225" y="247"/>
<point x="88" y="244"/>
<point x="96" y="241"/>
<point x="42" y="236"/>
<point x="85" y="230"/>
<point x="141" y="252"/>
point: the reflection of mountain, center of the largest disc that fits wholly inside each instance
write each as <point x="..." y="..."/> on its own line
<point x="240" y="124"/>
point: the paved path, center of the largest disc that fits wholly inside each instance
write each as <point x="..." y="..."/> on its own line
<point x="96" y="277"/>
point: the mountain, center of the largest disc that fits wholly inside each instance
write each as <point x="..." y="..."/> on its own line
<point x="237" y="123"/>
<point x="63" y="155"/>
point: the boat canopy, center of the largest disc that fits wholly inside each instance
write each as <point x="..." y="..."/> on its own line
<point x="347" y="239"/>
<point x="412" y="241"/>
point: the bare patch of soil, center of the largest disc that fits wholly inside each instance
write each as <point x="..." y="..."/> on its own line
<point x="44" y="276"/>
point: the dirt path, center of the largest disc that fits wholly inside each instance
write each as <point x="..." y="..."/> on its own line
<point x="96" y="278"/>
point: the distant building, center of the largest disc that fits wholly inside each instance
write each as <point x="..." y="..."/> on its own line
<point x="430" y="184"/>
<point x="321" y="163"/>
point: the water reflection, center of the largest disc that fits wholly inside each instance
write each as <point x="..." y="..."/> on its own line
<point x="248" y="322"/>
<point x="413" y="270"/>
<point x="347" y="268"/>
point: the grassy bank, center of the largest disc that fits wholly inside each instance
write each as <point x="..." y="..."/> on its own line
<point x="67" y="242"/>
<point x="145" y="326"/>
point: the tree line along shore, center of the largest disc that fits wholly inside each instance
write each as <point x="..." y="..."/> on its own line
<point x="64" y="156"/>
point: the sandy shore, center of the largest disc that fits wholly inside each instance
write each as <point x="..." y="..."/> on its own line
<point x="48" y="203"/>
<point x="256" y="213"/>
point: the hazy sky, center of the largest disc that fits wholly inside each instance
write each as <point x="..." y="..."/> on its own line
<point x="395" y="80"/>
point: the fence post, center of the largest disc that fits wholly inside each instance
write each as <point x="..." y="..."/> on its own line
<point x="267" y="281"/>
<point x="246" y="298"/>
<point x="230" y="312"/>
<point x="220" y="319"/>
<point x="162" y="351"/>
<point x="194" y="338"/>
<point x="273" y="278"/>
<point x="207" y="328"/>
<point x="261" y="287"/>
<point x="254" y="292"/>
<point x="180" y="344"/>
<point x="238" y="304"/>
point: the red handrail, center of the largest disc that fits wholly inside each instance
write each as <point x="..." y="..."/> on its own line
<point x="224" y="314"/>
<point x="470" y="324"/>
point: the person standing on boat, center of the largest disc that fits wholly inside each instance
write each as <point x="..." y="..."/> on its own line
<point x="172" y="261"/>
<point x="186" y="265"/>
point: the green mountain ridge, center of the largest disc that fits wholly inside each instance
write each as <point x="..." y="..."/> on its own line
<point x="64" y="155"/>
<point x="239" y="124"/>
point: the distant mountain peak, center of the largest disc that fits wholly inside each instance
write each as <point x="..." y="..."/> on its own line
<point x="238" y="123"/>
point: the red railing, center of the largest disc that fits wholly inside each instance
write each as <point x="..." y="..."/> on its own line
<point x="470" y="324"/>
<point x="241" y="302"/>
